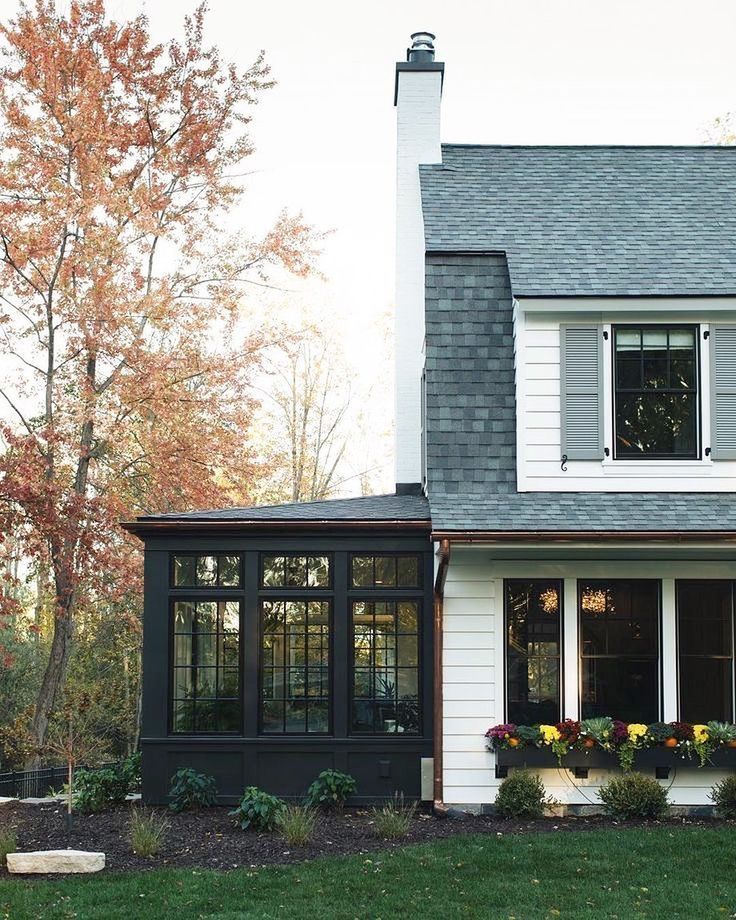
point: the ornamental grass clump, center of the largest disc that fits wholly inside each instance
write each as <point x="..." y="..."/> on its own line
<point x="634" y="795"/>
<point x="146" y="832"/>
<point x="393" y="819"/>
<point x="521" y="795"/>
<point x="296" y="824"/>
<point x="190" y="789"/>
<point x="8" y="844"/>
<point x="723" y="796"/>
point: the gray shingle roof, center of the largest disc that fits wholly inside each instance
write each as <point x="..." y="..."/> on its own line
<point x="585" y="511"/>
<point x="370" y="508"/>
<point x="590" y="220"/>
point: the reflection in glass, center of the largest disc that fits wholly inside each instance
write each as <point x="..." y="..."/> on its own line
<point x="385" y="667"/>
<point x="619" y="649"/>
<point x="656" y="405"/>
<point x="705" y="646"/>
<point x="533" y="651"/>
<point x="295" y="666"/>
<point x="206" y="664"/>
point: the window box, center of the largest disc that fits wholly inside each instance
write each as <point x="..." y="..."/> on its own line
<point x="596" y="758"/>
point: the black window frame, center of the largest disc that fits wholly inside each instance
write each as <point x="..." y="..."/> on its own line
<point x="296" y="594"/>
<point x="191" y="554"/>
<point x="360" y="597"/>
<point x="560" y="582"/>
<point x="297" y="554"/>
<point x="696" y="390"/>
<point x="375" y="554"/>
<point x="581" y="582"/>
<point x="394" y="594"/>
<point x="187" y="596"/>
<point x="732" y="632"/>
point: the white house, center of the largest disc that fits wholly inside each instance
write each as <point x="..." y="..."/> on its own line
<point x="562" y="539"/>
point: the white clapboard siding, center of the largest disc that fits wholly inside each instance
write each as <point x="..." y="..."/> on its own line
<point x="540" y="426"/>
<point x="469" y="677"/>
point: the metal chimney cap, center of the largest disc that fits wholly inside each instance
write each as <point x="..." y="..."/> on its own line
<point x="422" y="47"/>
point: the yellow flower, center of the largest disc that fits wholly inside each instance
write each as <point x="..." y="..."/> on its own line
<point x="549" y="733"/>
<point x="700" y="733"/>
<point x="637" y="731"/>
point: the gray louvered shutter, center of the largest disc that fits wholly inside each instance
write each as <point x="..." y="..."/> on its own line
<point x="723" y="392"/>
<point x="581" y="391"/>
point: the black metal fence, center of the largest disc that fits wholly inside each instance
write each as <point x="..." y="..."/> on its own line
<point x="36" y="784"/>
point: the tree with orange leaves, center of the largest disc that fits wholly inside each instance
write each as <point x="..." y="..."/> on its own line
<point x="126" y="375"/>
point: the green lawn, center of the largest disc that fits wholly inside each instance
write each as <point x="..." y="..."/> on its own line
<point x="662" y="873"/>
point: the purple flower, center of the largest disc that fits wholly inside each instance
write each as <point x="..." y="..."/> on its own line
<point x="501" y="732"/>
<point x="620" y="732"/>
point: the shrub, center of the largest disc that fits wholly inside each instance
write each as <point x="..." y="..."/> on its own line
<point x="190" y="789"/>
<point x="330" y="789"/>
<point x="521" y="795"/>
<point x="634" y="795"/>
<point x="131" y="770"/>
<point x="393" y="819"/>
<point x="95" y="790"/>
<point x="8" y="844"/>
<point x="297" y="824"/>
<point x="146" y="832"/>
<point x="723" y="795"/>
<point x="259" y="810"/>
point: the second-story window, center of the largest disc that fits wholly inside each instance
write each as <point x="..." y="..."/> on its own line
<point x="656" y="392"/>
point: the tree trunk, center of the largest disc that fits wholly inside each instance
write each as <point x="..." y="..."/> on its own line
<point x="53" y="680"/>
<point x="139" y="701"/>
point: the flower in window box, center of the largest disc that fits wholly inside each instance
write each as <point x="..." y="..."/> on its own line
<point x="722" y="733"/>
<point x="700" y="734"/>
<point x="637" y="732"/>
<point x="683" y="731"/>
<point x="661" y="733"/>
<point x="703" y="743"/>
<point x="529" y="734"/>
<point x="502" y="736"/>
<point x="597" y="730"/>
<point x="549" y="733"/>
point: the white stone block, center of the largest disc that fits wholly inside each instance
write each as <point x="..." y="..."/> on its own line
<point x="42" y="861"/>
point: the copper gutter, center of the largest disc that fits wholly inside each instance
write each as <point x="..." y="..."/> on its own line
<point x="438" y="732"/>
<point x="587" y="536"/>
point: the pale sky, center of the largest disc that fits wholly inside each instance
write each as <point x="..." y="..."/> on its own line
<point x="527" y="71"/>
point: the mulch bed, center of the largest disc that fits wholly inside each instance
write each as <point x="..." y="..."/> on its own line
<point x="209" y="839"/>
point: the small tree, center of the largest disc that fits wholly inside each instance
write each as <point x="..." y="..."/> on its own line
<point x="72" y="740"/>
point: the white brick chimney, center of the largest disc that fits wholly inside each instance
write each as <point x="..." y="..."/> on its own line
<point x="417" y="100"/>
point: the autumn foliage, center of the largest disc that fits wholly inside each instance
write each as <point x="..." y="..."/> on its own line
<point x="125" y="346"/>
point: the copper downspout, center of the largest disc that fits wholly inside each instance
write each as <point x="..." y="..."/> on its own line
<point x="439" y="602"/>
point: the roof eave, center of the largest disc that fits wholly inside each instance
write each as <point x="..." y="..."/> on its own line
<point x="588" y="536"/>
<point x="141" y="528"/>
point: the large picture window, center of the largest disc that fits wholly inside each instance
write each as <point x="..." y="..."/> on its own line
<point x="533" y="651"/>
<point x="619" y="649"/>
<point x="705" y="645"/>
<point x="656" y="392"/>
<point x="295" y="666"/>
<point x="386" y="667"/>
<point x="206" y="666"/>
